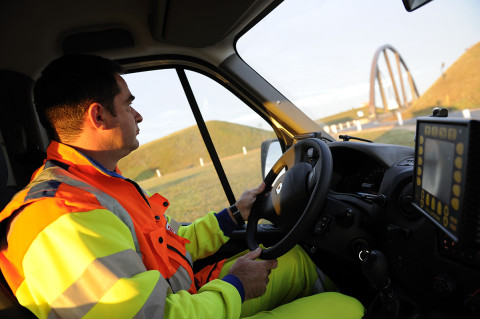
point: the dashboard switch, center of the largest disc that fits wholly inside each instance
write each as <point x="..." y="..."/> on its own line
<point x="323" y="225"/>
<point x="346" y="218"/>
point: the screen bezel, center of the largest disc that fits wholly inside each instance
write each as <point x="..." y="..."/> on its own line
<point x="448" y="216"/>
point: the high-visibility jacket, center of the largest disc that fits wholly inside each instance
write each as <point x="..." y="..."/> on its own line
<point x="84" y="241"/>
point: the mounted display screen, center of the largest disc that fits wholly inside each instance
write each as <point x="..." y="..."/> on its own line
<point x="447" y="176"/>
<point x="438" y="168"/>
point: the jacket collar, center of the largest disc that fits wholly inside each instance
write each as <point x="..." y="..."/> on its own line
<point x="70" y="156"/>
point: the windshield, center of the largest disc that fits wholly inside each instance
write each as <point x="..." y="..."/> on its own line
<point x="321" y="56"/>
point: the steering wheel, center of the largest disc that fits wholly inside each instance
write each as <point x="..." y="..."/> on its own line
<point x="296" y="199"/>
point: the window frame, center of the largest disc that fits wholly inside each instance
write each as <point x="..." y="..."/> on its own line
<point x="181" y="64"/>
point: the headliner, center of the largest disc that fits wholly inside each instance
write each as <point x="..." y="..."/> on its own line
<point x="34" y="32"/>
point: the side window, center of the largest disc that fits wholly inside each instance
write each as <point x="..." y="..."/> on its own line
<point x="236" y="130"/>
<point x="172" y="159"/>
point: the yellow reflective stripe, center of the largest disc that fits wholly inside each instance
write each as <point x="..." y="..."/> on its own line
<point x="97" y="279"/>
<point x="54" y="261"/>
<point x="132" y="298"/>
<point x="142" y="296"/>
<point x="107" y="201"/>
<point x="205" y="236"/>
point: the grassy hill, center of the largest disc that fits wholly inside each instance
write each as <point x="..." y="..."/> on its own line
<point x="458" y="89"/>
<point x="183" y="149"/>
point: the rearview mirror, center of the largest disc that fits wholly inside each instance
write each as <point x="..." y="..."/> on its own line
<point x="411" y="5"/>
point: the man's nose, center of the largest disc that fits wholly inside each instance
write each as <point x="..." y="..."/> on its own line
<point x="138" y="117"/>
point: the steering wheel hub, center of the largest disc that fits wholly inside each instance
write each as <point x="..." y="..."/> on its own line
<point x="294" y="199"/>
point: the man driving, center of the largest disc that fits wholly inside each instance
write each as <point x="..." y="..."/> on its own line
<point x="84" y="241"/>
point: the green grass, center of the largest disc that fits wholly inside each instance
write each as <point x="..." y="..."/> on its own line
<point x="195" y="191"/>
<point x="398" y="137"/>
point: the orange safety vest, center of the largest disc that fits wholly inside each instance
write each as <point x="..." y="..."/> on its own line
<point x="85" y="186"/>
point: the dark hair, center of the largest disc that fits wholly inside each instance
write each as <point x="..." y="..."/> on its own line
<point x="68" y="86"/>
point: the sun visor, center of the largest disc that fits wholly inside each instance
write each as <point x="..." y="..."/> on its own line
<point x="197" y="23"/>
<point x="94" y="41"/>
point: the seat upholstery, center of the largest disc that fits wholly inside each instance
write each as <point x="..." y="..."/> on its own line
<point x="23" y="135"/>
<point x="6" y="193"/>
<point x="9" y="306"/>
<point x="19" y="156"/>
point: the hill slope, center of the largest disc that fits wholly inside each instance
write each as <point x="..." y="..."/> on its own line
<point x="457" y="89"/>
<point x="183" y="149"/>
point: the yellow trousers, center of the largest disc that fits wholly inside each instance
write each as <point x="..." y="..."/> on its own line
<point x="289" y="292"/>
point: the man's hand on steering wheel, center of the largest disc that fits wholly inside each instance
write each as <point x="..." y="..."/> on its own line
<point x="245" y="202"/>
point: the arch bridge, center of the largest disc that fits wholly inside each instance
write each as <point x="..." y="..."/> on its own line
<point x="403" y="95"/>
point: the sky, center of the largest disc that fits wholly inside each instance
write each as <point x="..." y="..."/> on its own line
<point x="329" y="60"/>
<point x="319" y="53"/>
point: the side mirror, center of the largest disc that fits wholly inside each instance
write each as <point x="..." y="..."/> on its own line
<point x="411" y="5"/>
<point x="270" y="153"/>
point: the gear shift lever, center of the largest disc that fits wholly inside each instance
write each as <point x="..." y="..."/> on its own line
<point x="375" y="268"/>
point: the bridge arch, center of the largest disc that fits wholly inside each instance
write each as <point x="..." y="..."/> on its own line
<point x="396" y="75"/>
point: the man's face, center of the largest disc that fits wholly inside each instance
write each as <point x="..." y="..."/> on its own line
<point x="124" y="126"/>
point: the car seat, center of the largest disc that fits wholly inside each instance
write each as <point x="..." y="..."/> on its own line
<point x="9" y="306"/>
<point x="20" y="154"/>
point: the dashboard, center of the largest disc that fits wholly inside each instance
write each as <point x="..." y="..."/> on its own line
<point x="356" y="173"/>
<point x="429" y="272"/>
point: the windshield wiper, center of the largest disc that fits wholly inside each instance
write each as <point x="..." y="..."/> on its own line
<point x="348" y="137"/>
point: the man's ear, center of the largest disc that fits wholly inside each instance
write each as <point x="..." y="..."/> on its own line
<point x="96" y="116"/>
